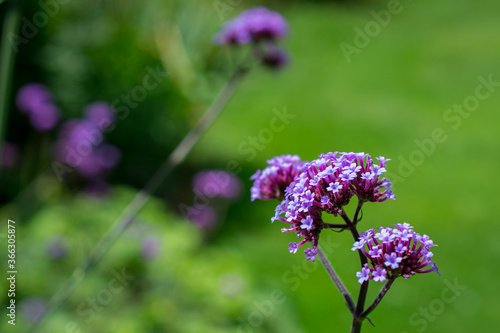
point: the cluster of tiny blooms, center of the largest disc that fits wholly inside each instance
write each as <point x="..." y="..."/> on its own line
<point x="36" y="101"/>
<point x="252" y="26"/>
<point x="217" y="183"/>
<point x="81" y="142"/>
<point x="81" y="145"/>
<point x="394" y="252"/>
<point x="271" y="182"/>
<point x="326" y="185"/>
<point x="260" y="27"/>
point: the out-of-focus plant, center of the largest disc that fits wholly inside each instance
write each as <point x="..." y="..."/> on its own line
<point x="213" y="190"/>
<point x="171" y="284"/>
<point x="261" y="29"/>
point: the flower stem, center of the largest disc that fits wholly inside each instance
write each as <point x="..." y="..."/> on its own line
<point x="130" y="212"/>
<point x="357" y="320"/>
<point x="331" y="271"/>
<point x="379" y="297"/>
<point x="341" y="226"/>
<point x="7" y="51"/>
<point x="355" y="218"/>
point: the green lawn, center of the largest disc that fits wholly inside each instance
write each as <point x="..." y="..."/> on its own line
<point x="394" y="92"/>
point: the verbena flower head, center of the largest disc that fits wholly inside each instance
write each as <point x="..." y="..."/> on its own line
<point x="217" y="183"/>
<point x="273" y="57"/>
<point x="326" y="185"/>
<point x="32" y="96"/>
<point x="262" y="29"/>
<point x="81" y="146"/>
<point x="271" y="182"/>
<point x="101" y="114"/>
<point x="252" y="26"/>
<point x="394" y="252"/>
<point x="202" y="216"/>
<point x="35" y="100"/>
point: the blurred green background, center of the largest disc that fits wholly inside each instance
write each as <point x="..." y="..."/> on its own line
<point x="385" y="99"/>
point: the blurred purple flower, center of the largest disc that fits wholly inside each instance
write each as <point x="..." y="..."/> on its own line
<point x="81" y="131"/>
<point x="33" y="308"/>
<point x="31" y="96"/>
<point x="252" y="26"/>
<point x="150" y="247"/>
<point x="108" y="156"/>
<point x="273" y="57"/>
<point x="45" y="117"/>
<point x="10" y="154"/>
<point x="101" y="114"/>
<point x="271" y="182"/>
<point x="217" y="183"/>
<point x="80" y="146"/>
<point x="57" y="247"/>
<point x="202" y="216"/>
<point x="35" y="100"/>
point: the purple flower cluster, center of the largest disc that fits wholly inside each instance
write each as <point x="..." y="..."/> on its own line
<point x="35" y="100"/>
<point x="252" y="26"/>
<point x="271" y="182"/>
<point x="326" y="185"/>
<point x="260" y="27"/>
<point x="217" y="183"/>
<point x="213" y="190"/>
<point x="394" y="252"/>
<point x="202" y="216"/>
<point x="81" y="142"/>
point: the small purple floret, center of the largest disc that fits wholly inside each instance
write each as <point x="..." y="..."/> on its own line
<point x="293" y="247"/>
<point x="310" y="254"/>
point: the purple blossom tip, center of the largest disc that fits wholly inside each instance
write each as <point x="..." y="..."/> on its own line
<point x="35" y="100"/>
<point x="396" y="252"/>
<point x="310" y="254"/>
<point x="252" y="26"/>
<point x="293" y="247"/>
<point x="101" y="114"/>
<point x="202" y="216"/>
<point x="324" y="185"/>
<point x="273" y="57"/>
<point x="271" y="182"/>
<point x="217" y="183"/>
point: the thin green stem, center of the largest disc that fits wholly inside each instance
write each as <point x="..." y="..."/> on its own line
<point x="7" y="52"/>
<point x="341" y="226"/>
<point x="130" y="212"/>
<point x="357" y="320"/>
<point x="378" y="299"/>
<point x="340" y="286"/>
<point x="355" y="235"/>
<point x="355" y="217"/>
